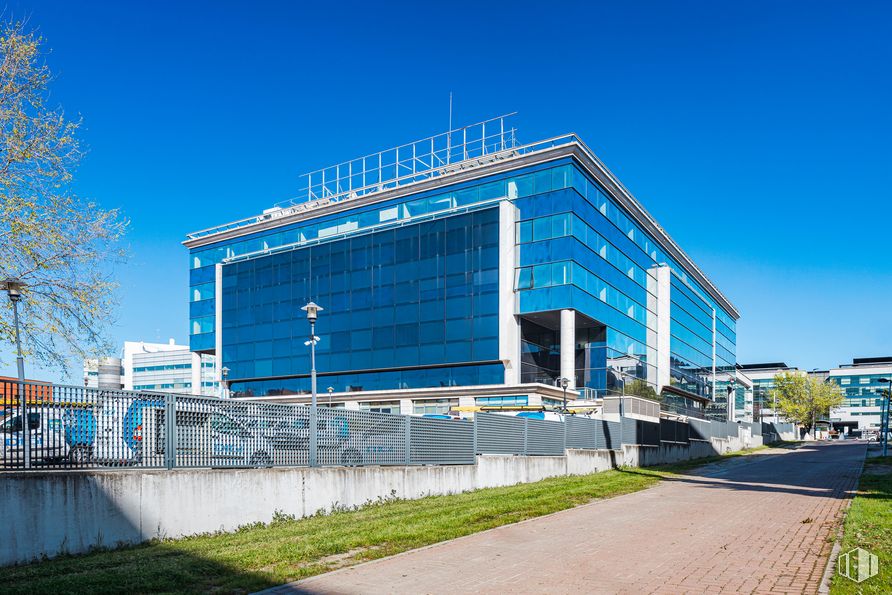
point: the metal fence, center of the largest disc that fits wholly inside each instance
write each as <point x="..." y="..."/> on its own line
<point x="699" y="429"/>
<point x="76" y="427"/>
<point x="674" y="431"/>
<point x="586" y="433"/>
<point x="636" y="431"/>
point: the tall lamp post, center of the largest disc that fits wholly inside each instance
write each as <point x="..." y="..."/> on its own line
<point x="565" y="382"/>
<point x="884" y="420"/>
<point x="312" y="311"/>
<point x="13" y="288"/>
<point x="224" y="373"/>
<point x="731" y="399"/>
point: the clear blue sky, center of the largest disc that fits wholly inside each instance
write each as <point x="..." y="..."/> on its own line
<point x="757" y="133"/>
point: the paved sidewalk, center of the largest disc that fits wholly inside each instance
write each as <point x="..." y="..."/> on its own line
<point x="761" y="523"/>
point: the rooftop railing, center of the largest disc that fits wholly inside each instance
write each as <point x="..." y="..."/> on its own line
<point x="437" y="156"/>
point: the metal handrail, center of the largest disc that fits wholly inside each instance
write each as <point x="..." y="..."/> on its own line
<point x="446" y="169"/>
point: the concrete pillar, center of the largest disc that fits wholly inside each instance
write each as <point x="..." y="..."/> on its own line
<point x="509" y="325"/>
<point x="196" y="373"/>
<point x="218" y="322"/>
<point x="568" y="347"/>
<point x="664" y="325"/>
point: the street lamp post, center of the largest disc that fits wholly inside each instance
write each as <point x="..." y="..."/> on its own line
<point x="330" y="390"/>
<point x="731" y="399"/>
<point x="13" y="289"/>
<point x="884" y="419"/>
<point x="225" y="382"/>
<point x="565" y="382"/>
<point x="312" y="311"/>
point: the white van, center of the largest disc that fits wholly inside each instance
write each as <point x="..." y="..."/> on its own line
<point x="132" y="431"/>
<point x="45" y="433"/>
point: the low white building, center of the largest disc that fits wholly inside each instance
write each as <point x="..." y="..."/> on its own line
<point x="166" y="367"/>
<point x="861" y="384"/>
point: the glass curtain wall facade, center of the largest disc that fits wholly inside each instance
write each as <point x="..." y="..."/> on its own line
<point x="860" y="383"/>
<point x="411" y="292"/>
<point x="411" y="307"/>
<point x="579" y="250"/>
<point x="762" y="400"/>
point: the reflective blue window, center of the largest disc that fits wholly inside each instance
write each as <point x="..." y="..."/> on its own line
<point x="436" y="304"/>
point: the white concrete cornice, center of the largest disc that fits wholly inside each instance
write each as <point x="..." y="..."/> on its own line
<point x="446" y="392"/>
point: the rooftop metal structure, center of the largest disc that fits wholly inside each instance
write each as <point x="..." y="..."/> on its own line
<point x="457" y="151"/>
<point x="429" y="157"/>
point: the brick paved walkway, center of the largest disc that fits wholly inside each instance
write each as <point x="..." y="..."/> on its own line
<point x="761" y="523"/>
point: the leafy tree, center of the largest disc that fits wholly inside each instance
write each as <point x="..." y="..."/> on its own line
<point x="61" y="246"/>
<point x="640" y="388"/>
<point x="803" y="399"/>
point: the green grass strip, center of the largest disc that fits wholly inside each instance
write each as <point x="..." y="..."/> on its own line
<point x="868" y="525"/>
<point x="260" y="556"/>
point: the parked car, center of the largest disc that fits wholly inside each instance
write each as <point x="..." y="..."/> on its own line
<point x="547" y="415"/>
<point x="293" y="433"/>
<point x="56" y="433"/>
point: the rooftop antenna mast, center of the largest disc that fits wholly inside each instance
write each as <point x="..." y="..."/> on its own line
<point x="449" y="133"/>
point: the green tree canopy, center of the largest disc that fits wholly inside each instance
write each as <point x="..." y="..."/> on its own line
<point x="804" y="399"/>
<point x="641" y="388"/>
<point x="61" y="246"/>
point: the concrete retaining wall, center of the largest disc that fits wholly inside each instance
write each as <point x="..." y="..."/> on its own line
<point x="52" y="513"/>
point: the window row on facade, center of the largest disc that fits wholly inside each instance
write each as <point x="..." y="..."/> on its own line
<point x="397" y="379"/>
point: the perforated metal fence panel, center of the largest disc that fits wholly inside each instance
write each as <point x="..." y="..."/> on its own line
<point x="674" y="431"/>
<point x="499" y="434"/>
<point x="609" y="434"/>
<point x="76" y="427"/>
<point x="724" y="429"/>
<point x="545" y="437"/>
<point x="441" y="442"/>
<point x="582" y="432"/>
<point x="636" y="431"/>
<point x="361" y="438"/>
<point x="72" y="427"/>
<point x="699" y="429"/>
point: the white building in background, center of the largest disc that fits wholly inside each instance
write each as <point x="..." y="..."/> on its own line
<point x="762" y="377"/>
<point x="165" y="367"/>
<point x="863" y="383"/>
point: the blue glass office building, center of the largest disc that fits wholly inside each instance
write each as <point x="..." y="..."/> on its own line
<point x="465" y="259"/>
